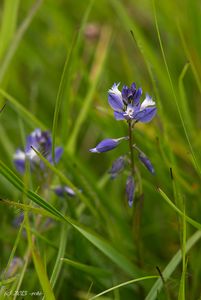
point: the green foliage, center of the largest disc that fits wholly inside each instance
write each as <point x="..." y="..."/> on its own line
<point x="57" y="61"/>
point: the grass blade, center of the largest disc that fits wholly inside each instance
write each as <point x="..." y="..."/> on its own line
<point x="97" y="241"/>
<point x="39" y="267"/>
<point x="96" y="71"/>
<point x="65" y="180"/>
<point x="64" y="81"/>
<point x="181" y="295"/>
<point x="188" y="219"/>
<point x="198" y="169"/>
<point x="87" y="269"/>
<point x="152" y="295"/>
<point x="7" y="281"/>
<point x="22" y="110"/>
<point x="17" y="38"/>
<point x="58" y="263"/>
<point x="8" y="24"/>
<point x="123" y="284"/>
<point x="42" y="275"/>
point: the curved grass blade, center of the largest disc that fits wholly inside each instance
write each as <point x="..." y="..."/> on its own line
<point x="7" y="281"/>
<point x="188" y="219"/>
<point x="14" y="180"/>
<point x="109" y="251"/>
<point x="181" y="295"/>
<point x="197" y="166"/>
<point x="42" y="275"/>
<point x="183" y="100"/>
<point x="28" y="117"/>
<point x="96" y="71"/>
<point x="29" y="208"/>
<point x="17" y="38"/>
<point x="63" y="82"/>
<point x="8" y="23"/>
<point x="38" y="263"/>
<point x="66" y="75"/>
<point x="87" y="269"/>
<point x="146" y="49"/>
<point x="12" y="254"/>
<point x="65" y="180"/>
<point x="189" y="57"/>
<point x="61" y="251"/>
<point x="96" y="240"/>
<point x="123" y="284"/>
<point x="152" y="295"/>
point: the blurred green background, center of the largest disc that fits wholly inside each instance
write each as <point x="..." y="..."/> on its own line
<point x="156" y="44"/>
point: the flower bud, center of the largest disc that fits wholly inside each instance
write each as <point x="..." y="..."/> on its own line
<point x="130" y="190"/>
<point x="144" y="159"/>
<point x="117" y="166"/>
<point x="107" y="145"/>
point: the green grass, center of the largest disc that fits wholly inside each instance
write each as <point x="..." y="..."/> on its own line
<point x="55" y="72"/>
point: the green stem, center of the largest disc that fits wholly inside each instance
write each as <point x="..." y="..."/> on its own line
<point x="131" y="146"/>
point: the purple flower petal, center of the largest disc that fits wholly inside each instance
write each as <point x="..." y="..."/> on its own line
<point x="107" y="145"/>
<point x="32" y="139"/>
<point x="130" y="190"/>
<point x="137" y="96"/>
<point x="59" y="191"/>
<point x="119" y="115"/>
<point x="133" y="87"/>
<point x="144" y="159"/>
<point x="19" y="160"/>
<point x="41" y="141"/>
<point x="124" y="93"/>
<point x="115" y="98"/>
<point x="146" y="115"/>
<point x="58" y="153"/>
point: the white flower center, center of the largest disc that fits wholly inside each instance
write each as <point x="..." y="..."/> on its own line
<point x="129" y="112"/>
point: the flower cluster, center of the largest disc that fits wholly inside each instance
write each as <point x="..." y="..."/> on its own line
<point x="42" y="142"/>
<point x="127" y="106"/>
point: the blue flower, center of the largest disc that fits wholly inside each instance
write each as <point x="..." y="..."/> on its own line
<point x="107" y="145"/>
<point x="130" y="190"/>
<point x="144" y="159"/>
<point x="42" y="142"/>
<point x="126" y="104"/>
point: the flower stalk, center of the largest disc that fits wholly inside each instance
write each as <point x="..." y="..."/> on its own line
<point x="130" y="133"/>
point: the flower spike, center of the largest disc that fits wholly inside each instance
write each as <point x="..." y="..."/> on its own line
<point x="127" y="106"/>
<point x="42" y="142"/>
